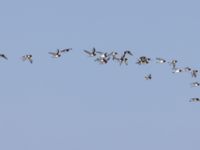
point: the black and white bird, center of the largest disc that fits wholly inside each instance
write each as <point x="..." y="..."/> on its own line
<point x="114" y="55"/>
<point x="160" y="60"/>
<point x="104" y="54"/>
<point x="195" y="99"/>
<point x="195" y="84"/>
<point x="92" y="53"/>
<point x="148" y="77"/>
<point x="187" y="69"/>
<point x="3" y="56"/>
<point x="177" y="70"/>
<point x="104" y="57"/>
<point x="28" y="58"/>
<point x="56" y="54"/>
<point x="194" y="73"/>
<point x="173" y="63"/>
<point x="123" y="60"/>
<point x="103" y="60"/>
<point x="65" y="50"/>
<point x="143" y="60"/>
<point x="127" y="52"/>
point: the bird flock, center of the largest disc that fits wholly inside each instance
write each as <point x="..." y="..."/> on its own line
<point x="105" y="57"/>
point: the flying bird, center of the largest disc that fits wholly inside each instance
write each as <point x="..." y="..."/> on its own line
<point x="187" y="69"/>
<point x="92" y="53"/>
<point x="194" y="73"/>
<point x="177" y="70"/>
<point x="195" y="84"/>
<point x="173" y="63"/>
<point x="55" y="54"/>
<point x="195" y="99"/>
<point x="127" y="52"/>
<point x="114" y="55"/>
<point x="28" y="58"/>
<point x="148" y="77"/>
<point x="65" y="50"/>
<point x="122" y="60"/>
<point x="3" y="56"/>
<point x="160" y="60"/>
<point x="103" y="60"/>
<point x="143" y="60"/>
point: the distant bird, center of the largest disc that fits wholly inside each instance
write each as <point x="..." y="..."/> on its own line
<point x="103" y="60"/>
<point x="143" y="60"/>
<point x="114" y="55"/>
<point x="123" y="60"/>
<point x="104" y="54"/>
<point x="187" y="69"/>
<point x="194" y="73"/>
<point x="28" y="57"/>
<point x="173" y="63"/>
<point x="160" y="60"/>
<point x="104" y="57"/>
<point x="3" y="56"/>
<point x="127" y="52"/>
<point x="65" y="50"/>
<point x="55" y="54"/>
<point x="148" y="77"/>
<point x="195" y="84"/>
<point x="58" y="52"/>
<point x="195" y="100"/>
<point x="92" y="53"/>
<point x="177" y="70"/>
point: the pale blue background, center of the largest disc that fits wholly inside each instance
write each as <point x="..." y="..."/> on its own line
<point x="73" y="103"/>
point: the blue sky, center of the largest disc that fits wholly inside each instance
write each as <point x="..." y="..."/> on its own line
<point x="75" y="103"/>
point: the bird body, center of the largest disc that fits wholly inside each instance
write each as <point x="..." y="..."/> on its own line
<point x="148" y="77"/>
<point x="194" y="73"/>
<point x="3" y="56"/>
<point x="28" y="57"/>
<point x="160" y="60"/>
<point x="91" y="53"/>
<point x="195" y="99"/>
<point x="195" y="84"/>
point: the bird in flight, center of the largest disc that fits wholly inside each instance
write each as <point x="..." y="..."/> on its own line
<point x="148" y="77"/>
<point x="143" y="60"/>
<point x="173" y="63"/>
<point x="55" y="54"/>
<point x="65" y="50"/>
<point x="3" y="56"/>
<point x="92" y="53"/>
<point x="187" y="69"/>
<point x="28" y="57"/>
<point x="103" y="60"/>
<point x="160" y="60"/>
<point x="195" y="99"/>
<point x="194" y="73"/>
<point x="122" y="60"/>
<point x="58" y="52"/>
<point x="177" y="70"/>
<point x="127" y="52"/>
<point x="195" y="84"/>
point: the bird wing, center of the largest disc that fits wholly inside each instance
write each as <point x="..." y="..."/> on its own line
<point x="66" y="50"/>
<point x="4" y="57"/>
<point x="30" y="60"/>
<point x="52" y="53"/>
<point x="88" y="52"/>
<point x="23" y="58"/>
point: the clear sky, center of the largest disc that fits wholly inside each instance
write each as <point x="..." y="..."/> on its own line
<point x="76" y="104"/>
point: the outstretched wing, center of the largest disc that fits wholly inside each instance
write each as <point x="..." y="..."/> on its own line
<point x="30" y="60"/>
<point x="52" y="53"/>
<point x="66" y="50"/>
<point x="88" y="52"/>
